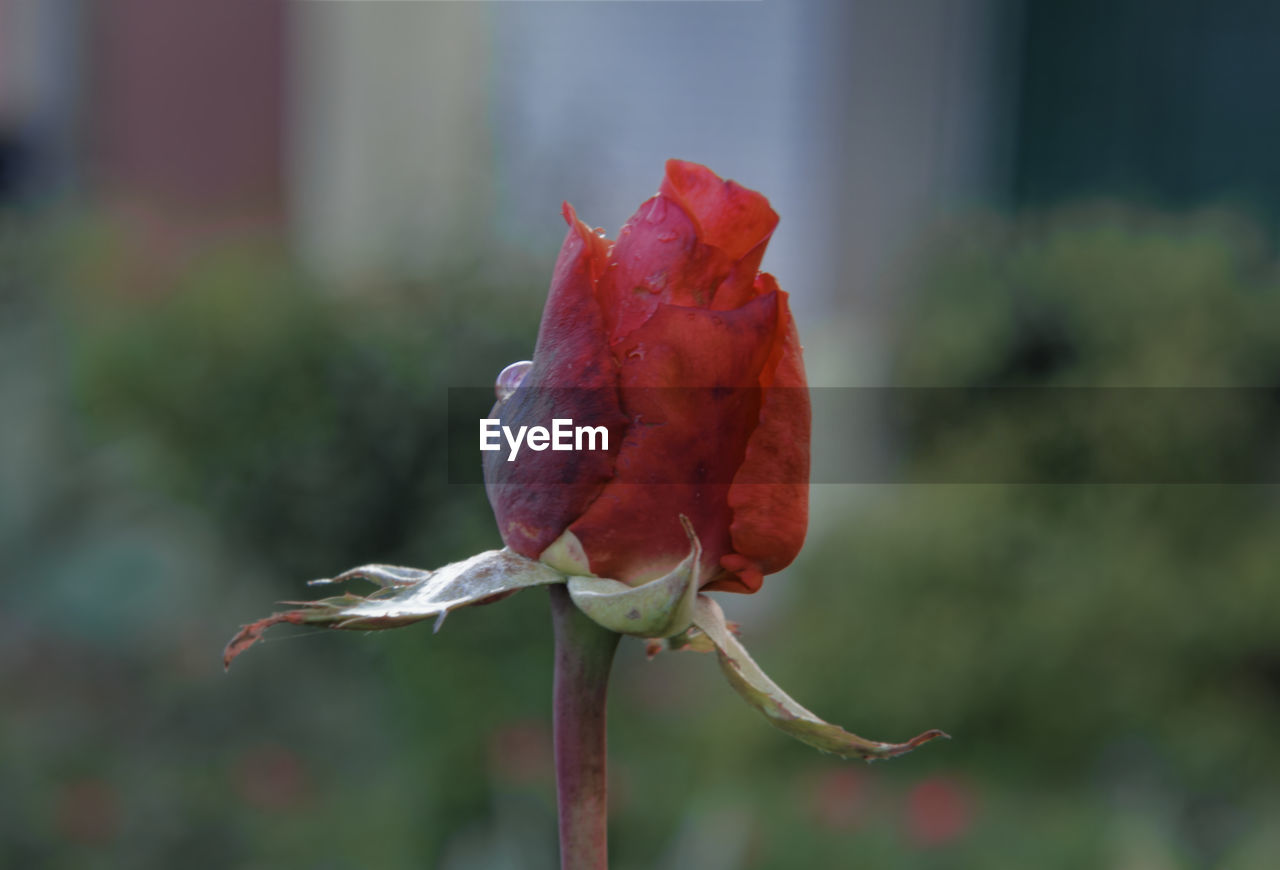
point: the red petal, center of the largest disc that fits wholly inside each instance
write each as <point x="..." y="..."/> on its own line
<point x="741" y="285"/>
<point x="574" y="376"/>
<point x="658" y="259"/>
<point x="684" y="445"/>
<point x="571" y="350"/>
<point x="770" y="494"/>
<point x="729" y="216"/>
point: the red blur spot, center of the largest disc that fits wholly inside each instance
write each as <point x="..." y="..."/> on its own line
<point x="939" y="811"/>
<point x="271" y="778"/>
<point x="87" y="812"/>
<point x="520" y="753"/>
<point x="838" y="799"/>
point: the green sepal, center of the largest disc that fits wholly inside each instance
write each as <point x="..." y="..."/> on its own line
<point x="659" y="608"/>
<point x="782" y="711"/>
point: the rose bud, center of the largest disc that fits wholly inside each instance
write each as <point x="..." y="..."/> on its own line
<point x="672" y="344"/>
<point x="672" y="340"/>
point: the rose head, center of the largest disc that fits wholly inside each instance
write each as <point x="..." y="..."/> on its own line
<point x="672" y="339"/>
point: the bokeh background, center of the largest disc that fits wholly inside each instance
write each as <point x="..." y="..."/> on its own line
<point x="246" y="247"/>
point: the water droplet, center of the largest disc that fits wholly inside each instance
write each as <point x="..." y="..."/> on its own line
<point x="599" y="231"/>
<point x="668" y="236"/>
<point x="509" y="379"/>
<point x="658" y="211"/>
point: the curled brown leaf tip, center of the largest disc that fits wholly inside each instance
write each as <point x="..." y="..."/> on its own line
<point x="249" y="634"/>
<point x="931" y="734"/>
<point x="918" y="740"/>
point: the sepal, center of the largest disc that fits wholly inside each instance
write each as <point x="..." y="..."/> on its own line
<point x="407" y="595"/>
<point x="782" y="711"/>
<point x="659" y="608"/>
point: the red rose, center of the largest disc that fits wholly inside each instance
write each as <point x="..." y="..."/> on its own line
<point x="677" y="304"/>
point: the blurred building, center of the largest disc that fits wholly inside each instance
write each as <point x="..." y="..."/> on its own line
<point x="424" y="130"/>
<point x="174" y="110"/>
<point x="391" y="138"/>
<point x="1166" y="103"/>
<point x="40" y="79"/>
<point x="184" y="107"/>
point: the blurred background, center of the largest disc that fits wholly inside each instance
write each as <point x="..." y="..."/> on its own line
<point x="246" y="246"/>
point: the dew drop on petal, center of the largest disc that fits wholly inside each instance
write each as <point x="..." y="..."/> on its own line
<point x="657" y="211"/>
<point x="509" y="379"/>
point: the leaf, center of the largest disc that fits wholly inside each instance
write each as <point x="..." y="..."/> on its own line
<point x="407" y="595"/>
<point x="781" y="709"/>
<point x="660" y="608"/>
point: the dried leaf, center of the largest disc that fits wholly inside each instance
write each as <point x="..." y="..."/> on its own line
<point x="780" y="708"/>
<point x="407" y="595"/>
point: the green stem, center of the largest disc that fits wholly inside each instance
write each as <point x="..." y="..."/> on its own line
<point x="584" y="654"/>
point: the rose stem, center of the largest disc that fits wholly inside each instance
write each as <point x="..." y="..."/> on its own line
<point x="584" y="653"/>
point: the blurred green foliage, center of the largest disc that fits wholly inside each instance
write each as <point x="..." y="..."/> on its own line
<point x="195" y="445"/>
<point x="312" y="424"/>
<point x="1116" y="641"/>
